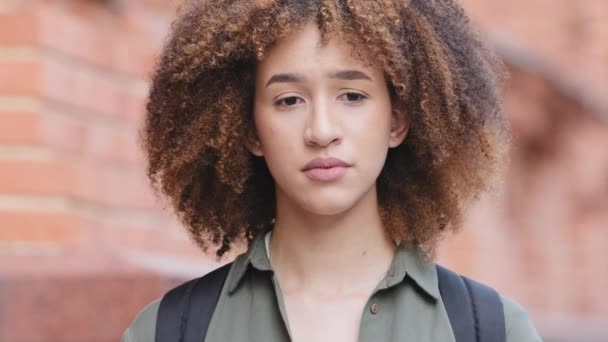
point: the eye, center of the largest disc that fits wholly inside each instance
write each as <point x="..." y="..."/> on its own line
<point x="353" y="97"/>
<point x="289" y="101"/>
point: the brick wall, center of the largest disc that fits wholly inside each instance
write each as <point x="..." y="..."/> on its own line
<point x="84" y="244"/>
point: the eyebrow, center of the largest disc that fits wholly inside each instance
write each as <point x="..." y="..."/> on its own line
<point x="348" y="75"/>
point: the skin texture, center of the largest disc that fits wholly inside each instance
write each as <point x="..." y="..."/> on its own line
<point x="325" y="226"/>
<point x="202" y="116"/>
<point x="321" y="116"/>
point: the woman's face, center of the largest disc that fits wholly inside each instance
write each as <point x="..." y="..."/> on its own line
<point x="320" y="102"/>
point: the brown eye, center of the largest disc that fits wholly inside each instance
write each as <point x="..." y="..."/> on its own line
<point x="287" y="101"/>
<point x="353" y="97"/>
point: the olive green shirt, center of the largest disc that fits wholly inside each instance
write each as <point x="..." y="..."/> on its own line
<point x="405" y="306"/>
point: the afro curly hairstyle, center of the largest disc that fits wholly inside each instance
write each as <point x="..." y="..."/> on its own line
<point x="437" y="69"/>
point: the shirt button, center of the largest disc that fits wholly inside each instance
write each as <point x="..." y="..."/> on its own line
<point x="373" y="309"/>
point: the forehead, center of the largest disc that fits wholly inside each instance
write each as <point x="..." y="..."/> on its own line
<point x="302" y="50"/>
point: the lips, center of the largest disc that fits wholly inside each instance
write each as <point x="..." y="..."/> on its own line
<point x="325" y="169"/>
<point x="325" y="163"/>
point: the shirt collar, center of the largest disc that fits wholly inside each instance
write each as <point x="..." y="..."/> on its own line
<point x="409" y="261"/>
<point x="255" y="256"/>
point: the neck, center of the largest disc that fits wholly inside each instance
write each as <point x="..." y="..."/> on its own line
<point x="328" y="254"/>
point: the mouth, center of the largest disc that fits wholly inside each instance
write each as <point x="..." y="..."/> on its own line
<point x="326" y="174"/>
<point x="325" y="163"/>
<point x="325" y="169"/>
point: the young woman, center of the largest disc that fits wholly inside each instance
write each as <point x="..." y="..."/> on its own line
<point x="337" y="139"/>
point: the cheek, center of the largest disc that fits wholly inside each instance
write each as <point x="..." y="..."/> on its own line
<point x="372" y="139"/>
<point x="264" y="129"/>
<point x="279" y="143"/>
<point x="275" y="128"/>
<point x="271" y="134"/>
<point x="375" y="128"/>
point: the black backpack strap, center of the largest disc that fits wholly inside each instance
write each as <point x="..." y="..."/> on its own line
<point x="457" y="303"/>
<point x="475" y="310"/>
<point x="488" y="310"/>
<point x="193" y="301"/>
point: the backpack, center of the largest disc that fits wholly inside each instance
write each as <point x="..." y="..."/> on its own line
<point x="475" y="311"/>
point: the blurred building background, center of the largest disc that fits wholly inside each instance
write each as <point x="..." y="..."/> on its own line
<point x="84" y="245"/>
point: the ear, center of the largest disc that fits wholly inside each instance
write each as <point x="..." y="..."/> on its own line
<point x="253" y="144"/>
<point x="400" y="124"/>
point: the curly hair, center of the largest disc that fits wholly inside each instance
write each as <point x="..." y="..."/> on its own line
<point x="199" y="112"/>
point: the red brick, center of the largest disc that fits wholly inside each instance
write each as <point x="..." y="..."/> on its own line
<point x="85" y="34"/>
<point x="62" y="227"/>
<point x="21" y="77"/>
<point x="71" y="133"/>
<point x="78" y="179"/>
<point x="19" y="128"/>
<point x="154" y="233"/>
<point x="98" y="94"/>
<point x="19" y="27"/>
<point x="80" y="88"/>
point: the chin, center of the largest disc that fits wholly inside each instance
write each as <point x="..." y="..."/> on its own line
<point x="325" y="201"/>
<point x="334" y="205"/>
<point x="332" y="209"/>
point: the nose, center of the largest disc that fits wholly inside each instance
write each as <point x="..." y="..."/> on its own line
<point x="322" y="126"/>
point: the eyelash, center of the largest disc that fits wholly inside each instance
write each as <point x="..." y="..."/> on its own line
<point x="280" y="102"/>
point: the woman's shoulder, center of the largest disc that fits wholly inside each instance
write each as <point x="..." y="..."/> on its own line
<point x="518" y="325"/>
<point x="143" y="327"/>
